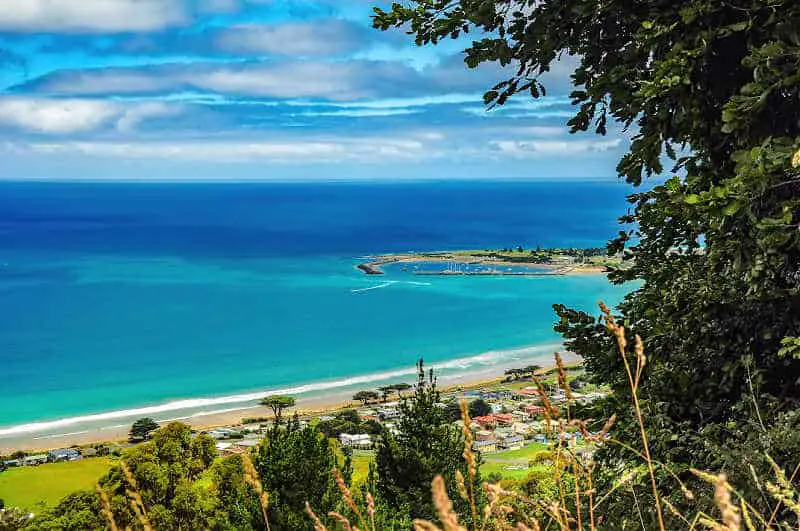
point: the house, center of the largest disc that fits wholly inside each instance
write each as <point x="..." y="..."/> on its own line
<point x="385" y="414"/>
<point x="64" y="454"/>
<point x="485" y="446"/>
<point x="511" y="442"/>
<point x="520" y="416"/>
<point x="533" y="410"/>
<point x="527" y="393"/>
<point x="503" y="418"/>
<point x="32" y="460"/>
<point x="484" y="435"/>
<point x="485" y="421"/>
<point x="359" y="440"/>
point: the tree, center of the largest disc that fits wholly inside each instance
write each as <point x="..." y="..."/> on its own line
<point x="295" y="467"/>
<point x="479" y="408"/>
<point x="426" y="445"/>
<point x="141" y="428"/>
<point x="714" y="250"/>
<point x="365" y="397"/>
<point x="277" y="403"/>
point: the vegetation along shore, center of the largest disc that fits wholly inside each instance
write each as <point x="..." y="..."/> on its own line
<point x="516" y="261"/>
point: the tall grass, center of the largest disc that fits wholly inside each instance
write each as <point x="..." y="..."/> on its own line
<point x="507" y="510"/>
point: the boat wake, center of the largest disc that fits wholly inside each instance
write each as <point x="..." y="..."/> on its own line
<point x="379" y="286"/>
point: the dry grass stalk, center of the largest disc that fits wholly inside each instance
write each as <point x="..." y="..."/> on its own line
<point x="346" y="494"/>
<point x="619" y="333"/>
<point x="137" y="504"/>
<point x="105" y="505"/>
<point x="424" y="525"/>
<point x="472" y="463"/>
<point x="371" y="510"/>
<point x="251" y="478"/>
<point x="444" y="507"/>
<point x="318" y="525"/>
<point x="345" y="523"/>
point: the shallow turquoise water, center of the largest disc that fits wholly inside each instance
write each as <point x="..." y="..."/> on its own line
<point x="169" y="295"/>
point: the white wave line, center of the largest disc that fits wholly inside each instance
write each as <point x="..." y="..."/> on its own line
<point x="485" y="359"/>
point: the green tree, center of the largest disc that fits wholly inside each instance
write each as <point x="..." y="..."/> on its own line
<point x="165" y="472"/>
<point x="79" y="511"/>
<point x="426" y="445"/>
<point x="479" y="408"/>
<point x="295" y="466"/>
<point x="712" y="88"/>
<point x="142" y="428"/>
<point x="277" y="403"/>
<point x="365" y="397"/>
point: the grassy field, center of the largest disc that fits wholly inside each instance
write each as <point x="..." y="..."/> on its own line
<point x="361" y="467"/>
<point x="32" y="487"/>
<point x="511" y="464"/>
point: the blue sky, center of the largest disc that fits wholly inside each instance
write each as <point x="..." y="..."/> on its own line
<point x="263" y="89"/>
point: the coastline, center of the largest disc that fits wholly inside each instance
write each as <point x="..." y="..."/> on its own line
<point x="331" y="400"/>
<point x="374" y="265"/>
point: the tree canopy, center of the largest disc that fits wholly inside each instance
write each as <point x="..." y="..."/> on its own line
<point x="425" y="445"/>
<point x="277" y="403"/>
<point x="710" y="96"/>
<point x="141" y="428"/>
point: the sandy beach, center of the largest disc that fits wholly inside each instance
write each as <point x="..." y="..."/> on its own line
<point x="306" y="406"/>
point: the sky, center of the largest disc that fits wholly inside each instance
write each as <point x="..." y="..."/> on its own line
<point x="264" y="90"/>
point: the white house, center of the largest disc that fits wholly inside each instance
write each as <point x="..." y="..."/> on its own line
<point x="359" y="440"/>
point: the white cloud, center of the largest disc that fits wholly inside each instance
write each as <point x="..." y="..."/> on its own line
<point x="364" y="150"/>
<point x="92" y="16"/>
<point x="292" y="80"/>
<point x="69" y="116"/>
<point x="328" y="37"/>
<point x="55" y="116"/>
<point x="136" y="114"/>
<point x="549" y="148"/>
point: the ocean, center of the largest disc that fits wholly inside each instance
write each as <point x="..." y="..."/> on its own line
<point x="123" y="300"/>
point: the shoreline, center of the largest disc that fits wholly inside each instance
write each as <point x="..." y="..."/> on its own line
<point x="327" y="401"/>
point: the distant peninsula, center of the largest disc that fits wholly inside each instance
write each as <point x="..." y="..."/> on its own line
<point x="501" y="262"/>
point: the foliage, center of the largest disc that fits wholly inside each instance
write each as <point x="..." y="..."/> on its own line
<point x="365" y="397"/>
<point x="79" y="511"/>
<point x="295" y="466"/>
<point x="426" y="445"/>
<point x="387" y="390"/>
<point x="712" y="86"/>
<point x="165" y="473"/>
<point x="277" y="403"/>
<point x="142" y="428"/>
<point x="479" y="408"/>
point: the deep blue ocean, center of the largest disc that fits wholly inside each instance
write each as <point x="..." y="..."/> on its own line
<point x="188" y="297"/>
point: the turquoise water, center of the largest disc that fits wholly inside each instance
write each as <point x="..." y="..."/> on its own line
<point x="195" y="298"/>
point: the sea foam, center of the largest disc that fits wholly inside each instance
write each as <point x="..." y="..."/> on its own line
<point x="445" y="368"/>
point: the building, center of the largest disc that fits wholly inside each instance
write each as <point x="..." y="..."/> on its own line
<point x="484" y="435"/>
<point x="520" y="416"/>
<point x="485" y="422"/>
<point x="359" y="440"/>
<point x="511" y="442"/>
<point x="32" y="460"/>
<point x="533" y="410"/>
<point x="64" y="454"/>
<point x="485" y="446"/>
<point x="385" y="414"/>
<point x="503" y="418"/>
